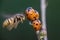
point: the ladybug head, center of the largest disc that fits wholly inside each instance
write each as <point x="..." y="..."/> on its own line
<point x="29" y="8"/>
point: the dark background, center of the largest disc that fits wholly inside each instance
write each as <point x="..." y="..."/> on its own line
<point x="25" y="31"/>
<point x="53" y="19"/>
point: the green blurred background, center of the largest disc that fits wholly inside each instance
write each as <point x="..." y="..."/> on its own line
<point x="25" y="31"/>
<point x="53" y="19"/>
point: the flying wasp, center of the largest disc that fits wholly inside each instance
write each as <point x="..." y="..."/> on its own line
<point x="13" y="21"/>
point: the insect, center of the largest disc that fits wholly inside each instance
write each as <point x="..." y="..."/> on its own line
<point x="33" y="17"/>
<point x="36" y="25"/>
<point x="32" y="14"/>
<point x="13" y="21"/>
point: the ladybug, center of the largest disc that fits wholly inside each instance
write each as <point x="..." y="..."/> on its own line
<point x="32" y="14"/>
<point x="36" y="25"/>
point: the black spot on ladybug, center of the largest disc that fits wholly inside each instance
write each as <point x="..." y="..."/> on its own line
<point x="33" y="23"/>
<point x="35" y="28"/>
<point x="36" y="24"/>
<point x="34" y="17"/>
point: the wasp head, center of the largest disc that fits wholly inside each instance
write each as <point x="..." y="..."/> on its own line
<point x="20" y="17"/>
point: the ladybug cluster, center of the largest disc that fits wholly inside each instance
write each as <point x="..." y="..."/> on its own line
<point x="33" y="16"/>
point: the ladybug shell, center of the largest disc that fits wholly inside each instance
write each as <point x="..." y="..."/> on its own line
<point x="32" y="16"/>
<point x="36" y="25"/>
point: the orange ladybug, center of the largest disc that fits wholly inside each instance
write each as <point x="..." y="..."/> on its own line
<point x="32" y="14"/>
<point x="36" y="25"/>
